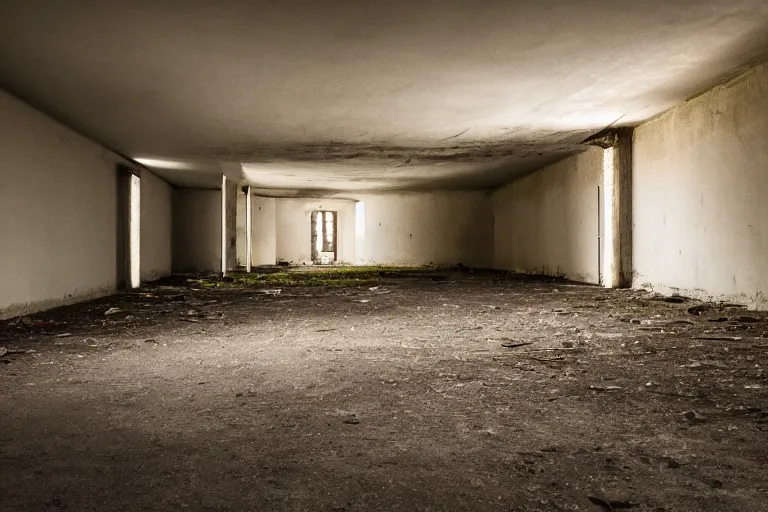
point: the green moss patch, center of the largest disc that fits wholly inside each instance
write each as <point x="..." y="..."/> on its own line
<point x="313" y="276"/>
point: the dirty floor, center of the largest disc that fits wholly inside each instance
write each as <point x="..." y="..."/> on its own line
<point x="453" y="391"/>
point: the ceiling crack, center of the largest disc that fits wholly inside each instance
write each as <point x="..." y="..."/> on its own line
<point x="457" y="135"/>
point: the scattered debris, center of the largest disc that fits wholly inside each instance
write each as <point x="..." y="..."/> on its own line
<point x="694" y="417"/>
<point x="351" y="419"/>
<point x="548" y="359"/>
<point x="362" y="301"/>
<point x="706" y="307"/>
<point x="700" y="309"/>
<point x="654" y="328"/>
<point x="49" y="323"/>
<point x="275" y="291"/>
<point x="748" y="319"/>
<point x="516" y="345"/>
<point x="711" y="376"/>
<point x="610" y="505"/>
<point x="14" y="351"/>
<point x="112" y="311"/>
<point x="719" y="338"/>
<point x="673" y="299"/>
<point x="609" y="335"/>
<point x="679" y="323"/>
<point x="64" y="335"/>
<point x="716" y="484"/>
<point x="605" y="388"/>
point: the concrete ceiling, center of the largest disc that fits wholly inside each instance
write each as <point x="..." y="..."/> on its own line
<point x="341" y="95"/>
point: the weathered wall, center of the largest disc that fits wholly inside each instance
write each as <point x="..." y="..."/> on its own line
<point x="58" y="211"/>
<point x="156" y="227"/>
<point x="700" y="180"/>
<point x="196" y="230"/>
<point x="547" y="222"/>
<point x="264" y="211"/>
<point x="443" y="228"/>
<point x="293" y="228"/>
<point x="231" y="224"/>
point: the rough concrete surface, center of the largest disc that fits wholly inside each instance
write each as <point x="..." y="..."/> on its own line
<point x="700" y="180"/>
<point x="58" y="212"/>
<point x="465" y="392"/>
<point x="264" y="230"/>
<point x="197" y="230"/>
<point x="445" y="228"/>
<point x="547" y="222"/>
<point x="156" y="227"/>
<point x="240" y="82"/>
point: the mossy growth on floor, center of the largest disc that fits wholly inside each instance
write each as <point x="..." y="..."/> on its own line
<point x="316" y="276"/>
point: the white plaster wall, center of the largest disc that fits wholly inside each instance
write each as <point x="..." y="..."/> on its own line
<point x="58" y="213"/>
<point x="264" y="247"/>
<point x="700" y="195"/>
<point x="547" y="222"/>
<point x="196" y="230"/>
<point x="442" y="228"/>
<point x="156" y="227"/>
<point x="293" y="228"/>
<point x="264" y="230"/>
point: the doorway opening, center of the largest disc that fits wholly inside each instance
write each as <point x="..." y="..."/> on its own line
<point x="324" y="243"/>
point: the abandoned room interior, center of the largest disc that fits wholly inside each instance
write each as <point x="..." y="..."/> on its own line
<point x="433" y="255"/>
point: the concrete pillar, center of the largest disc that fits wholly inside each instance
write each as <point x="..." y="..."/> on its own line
<point x="617" y="206"/>
<point x="134" y="243"/>
<point x="622" y="207"/>
<point x="248" y="228"/>
<point x="128" y="228"/>
<point x="223" y="225"/>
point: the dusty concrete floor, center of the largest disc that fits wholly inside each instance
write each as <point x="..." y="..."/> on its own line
<point x="400" y="398"/>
